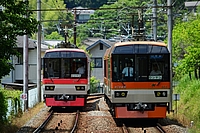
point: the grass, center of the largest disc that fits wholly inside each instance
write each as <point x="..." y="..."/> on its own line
<point x="188" y="107"/>
<point x="20" y="120"/>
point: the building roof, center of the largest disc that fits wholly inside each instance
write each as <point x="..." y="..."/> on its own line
<point x="52" y="42"/>
<point x="20" y="42"/>
<point x="192" y="3"/>
<point x="32" y="44"/>
<point x="92" y="42"/>
<point x="82" y="10"/>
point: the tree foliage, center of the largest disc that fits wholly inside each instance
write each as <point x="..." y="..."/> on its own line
<point x="3" y="108"/>
<point x="54" y="36"/>
<point x="86" y="3"/>
<point x="13" y="23"/>
<point x="186" y="48"/>
<point x="117" y="19"/>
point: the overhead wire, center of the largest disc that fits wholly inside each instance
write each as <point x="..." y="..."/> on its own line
<point x="58" y="7"/>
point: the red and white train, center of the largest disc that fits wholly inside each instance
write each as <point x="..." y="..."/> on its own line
<point x="63" y="84"/>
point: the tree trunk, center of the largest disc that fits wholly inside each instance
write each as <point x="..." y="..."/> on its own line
<point x="199" y="72"/>
<point x="190" y="75"/>
<point x="195" y="74"/>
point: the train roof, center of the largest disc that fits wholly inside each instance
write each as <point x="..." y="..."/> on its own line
<point x="140" y="42"/>
<point x="65" y="53"/>
<point x="65" y="49"/>
<point x="115" y="49"/>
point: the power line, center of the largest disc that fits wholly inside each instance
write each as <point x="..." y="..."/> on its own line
<point x="67" y="9"/>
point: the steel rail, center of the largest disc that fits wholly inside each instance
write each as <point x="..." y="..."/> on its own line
<point x="76" y="122"/>
<point x="124" y="129"/>
<point x="39" y="129"/>
<point x="159" y="127"/>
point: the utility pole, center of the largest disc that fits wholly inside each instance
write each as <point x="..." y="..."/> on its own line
<point x="75" y="26"/>
<point x="154" y="12"/>
<point x="169" y="23"/>
<point x="25" y="68"/>
<point x="39" y="51"/>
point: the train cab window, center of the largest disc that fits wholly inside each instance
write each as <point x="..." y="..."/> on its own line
<point x="123" y="68"/>
<point x="143" y="65"/>
<point x="65" y="68"/>
<point x="159" y="67"/>
<point x="157" y="49"/>
<point x="124" y="49"/>
<point x="79" y="68"/>
<point x="140" y="48"/>
<point x="51" y="68"/>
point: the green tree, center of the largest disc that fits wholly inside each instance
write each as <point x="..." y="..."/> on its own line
<point x="186" y="40"/>
<point x="13" y="24"/>
<point x="114" y="18"/>
<point x="54" y="36"/>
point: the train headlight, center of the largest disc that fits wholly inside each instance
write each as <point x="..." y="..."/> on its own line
<point x="49" y="88"/>
<point x="120" y="93"/>
<point x="160" y="93"/>
<point x="80" y="88"/>
<point x="164" y="94"/>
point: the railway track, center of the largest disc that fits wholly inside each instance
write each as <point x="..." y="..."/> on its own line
<point x="94" y="96"/>
<point x="76" y="122"/>
<point x="40" y="128"/>
<point x="159" y="127"/>
<point x="49" y="118"/>
<point x="124" y="129"/>
<point x="131" y="126"/>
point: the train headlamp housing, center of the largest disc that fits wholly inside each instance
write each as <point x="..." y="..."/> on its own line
<point x="160" y="93"/>
<point x="120" y="93"/>
<point x="80" y="88"/>
<point x="49" y="88"/>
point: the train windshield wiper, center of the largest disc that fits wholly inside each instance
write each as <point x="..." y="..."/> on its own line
<point x="122" y="82"/>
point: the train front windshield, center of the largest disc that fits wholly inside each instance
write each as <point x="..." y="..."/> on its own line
<point x="140" y="64"/>
<point x="65" y="65"/>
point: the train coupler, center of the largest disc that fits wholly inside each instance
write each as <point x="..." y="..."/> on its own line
<point x="64" y="97"/>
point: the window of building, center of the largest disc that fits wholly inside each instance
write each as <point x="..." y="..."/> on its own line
<point x="101" y="46"/>
<point x="20" y="59"/>
<point x="97" y="62"/>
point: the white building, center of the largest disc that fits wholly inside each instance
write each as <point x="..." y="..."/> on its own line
<point x="97" y="48"/>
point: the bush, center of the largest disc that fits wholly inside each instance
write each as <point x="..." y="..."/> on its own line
<point x="14" y="96"/>
<point x="93" y="85"/>
<point x="3" y="107"/>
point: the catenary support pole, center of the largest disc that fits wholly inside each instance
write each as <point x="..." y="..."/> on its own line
<point x="25" y="68"/>
<point x="169" y="23"/>
<point x="39" y="51"/>
<point x="154" y="12"/>
<point x="75" y="26"/>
